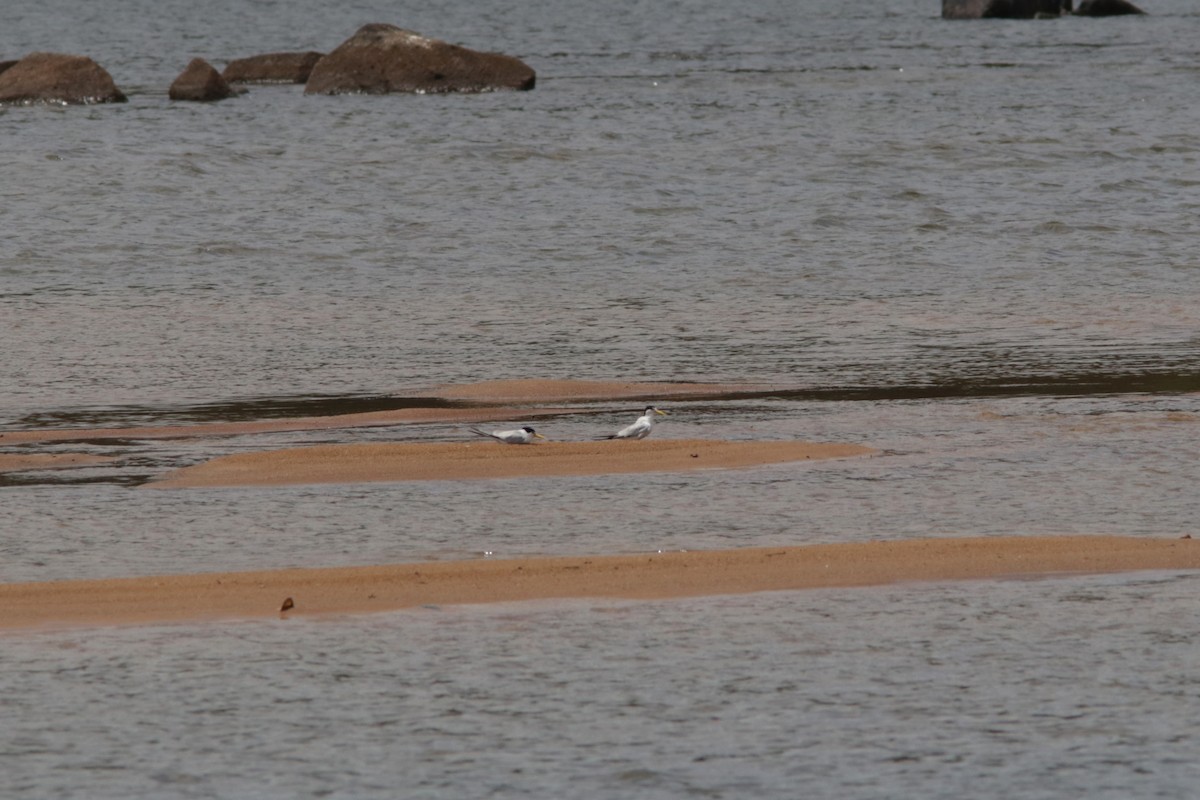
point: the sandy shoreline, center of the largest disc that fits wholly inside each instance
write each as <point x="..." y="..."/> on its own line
<point x="351" y="463"/>
<point x="356" y="590"/>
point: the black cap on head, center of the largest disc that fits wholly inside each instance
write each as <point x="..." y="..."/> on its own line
<point x="527" y="429"/>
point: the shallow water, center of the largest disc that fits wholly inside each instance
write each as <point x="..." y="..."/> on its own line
<point x="970" y="245"/>
<point x="1025" y="465"/>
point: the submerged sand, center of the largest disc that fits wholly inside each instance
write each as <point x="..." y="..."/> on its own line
<point x="487" y="459"/>
<point x="571" y="391"/>
<point x="366" y="419"/>
<point x="517" y="394"/>
<point x="354" y="590"/>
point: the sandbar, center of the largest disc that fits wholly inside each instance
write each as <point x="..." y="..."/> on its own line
<point x="357" y="590"/>
<point x="353" y="463"/>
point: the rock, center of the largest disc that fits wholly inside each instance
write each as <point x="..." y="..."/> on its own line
<point x="6" y="64"/>
<point x="58" y="78"/>
<point x="383" y="58"/>
<point x="1107" y="8"/>
<point x="201" y="82"/>
<point x="1014" y="9"/>
<point x="272" y="68"/>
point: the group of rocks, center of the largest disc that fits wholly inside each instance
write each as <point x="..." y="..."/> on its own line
<point x="378" y="59"/>
<point x="1034" y="9"/>
<point x="381" y="58"/>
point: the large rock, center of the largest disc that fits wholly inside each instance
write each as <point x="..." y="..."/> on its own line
<point x="201" y="82"/>
<point x="272" y="68"/>
<point x="1107" y="8"/>
<point x="383" y="58"/>
<point x="58" y="78"/>
<point x="1015" y="9"/>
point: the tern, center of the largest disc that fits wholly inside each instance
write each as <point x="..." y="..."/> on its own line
<point x="518" y="436"/>
<point x="641" y="428"/>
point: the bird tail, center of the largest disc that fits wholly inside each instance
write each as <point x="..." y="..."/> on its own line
<point x="478" y="432"/>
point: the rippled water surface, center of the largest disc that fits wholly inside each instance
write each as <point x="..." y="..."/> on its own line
<point x="971" y="245"/>
<point x="1059" y="688"/>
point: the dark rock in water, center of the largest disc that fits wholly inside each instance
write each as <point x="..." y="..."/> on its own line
<point x="1012" y="9"/>
<point x="1107" y="8"/>
<point x="58" y="78"/>
<point x="272" y="68"/>
<point x="382" y="58"/>
<point x="199" y="81"/>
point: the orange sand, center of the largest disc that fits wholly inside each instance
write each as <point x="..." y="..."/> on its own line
<point x="397" y="586"/>
<point x="350" y="463"/>
<point x="16" y="462"/>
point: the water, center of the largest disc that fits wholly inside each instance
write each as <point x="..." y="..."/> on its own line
<point x="971" y="245"/>
<point x="1060" y="688"/>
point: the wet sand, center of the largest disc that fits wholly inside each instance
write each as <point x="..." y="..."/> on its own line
<point x="488" y="459"/>
<point x="568" y="391"/>
<point x="356" y="590"/>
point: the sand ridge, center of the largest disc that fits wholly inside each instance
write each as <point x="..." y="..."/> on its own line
<point x="353" y="590"/>
<point x="348" y="463"/>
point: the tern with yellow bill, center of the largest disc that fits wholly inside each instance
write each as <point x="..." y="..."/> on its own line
<point x="518" y="436"/>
